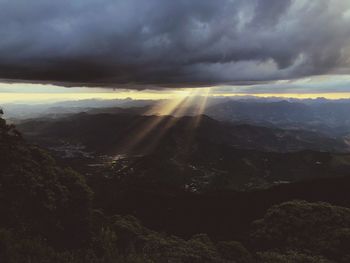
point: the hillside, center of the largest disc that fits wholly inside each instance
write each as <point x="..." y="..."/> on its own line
<point x="105" y="132"/>
<point x="50" y="215"/>
<point x="323" y="116"/>
<point x="212" y="155"/>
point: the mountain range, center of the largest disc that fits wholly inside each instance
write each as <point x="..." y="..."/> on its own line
<point x="196" y="153"/>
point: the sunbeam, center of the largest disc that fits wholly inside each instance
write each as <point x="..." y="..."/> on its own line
<point x="166" y="109"/>
<point x="164" y="116"/>
<point x="201" y="107"/>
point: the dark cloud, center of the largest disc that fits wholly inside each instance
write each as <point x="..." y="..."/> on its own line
<point x="172" y="43"/>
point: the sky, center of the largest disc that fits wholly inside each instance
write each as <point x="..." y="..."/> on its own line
<point x="159" y="48"/>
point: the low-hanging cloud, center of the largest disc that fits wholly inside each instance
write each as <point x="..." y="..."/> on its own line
<point x="165" y="43"/>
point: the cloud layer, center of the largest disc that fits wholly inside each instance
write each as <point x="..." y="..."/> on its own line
<point x="163" y="43"/>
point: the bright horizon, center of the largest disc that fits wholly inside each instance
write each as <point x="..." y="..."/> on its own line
<point x="41" y="98"/>
<point x="47" y="93"/>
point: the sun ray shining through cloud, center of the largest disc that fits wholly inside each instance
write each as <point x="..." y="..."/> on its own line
<point x="169" y="113"/>
<point x="201" y="106"/>
<point x="198" y="115"/>
<point x="166" y="109"/>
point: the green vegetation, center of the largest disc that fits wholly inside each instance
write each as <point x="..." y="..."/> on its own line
<point x="39" y="197"/>
<point x="48" y="214"/>
<point x="320" y="228"/>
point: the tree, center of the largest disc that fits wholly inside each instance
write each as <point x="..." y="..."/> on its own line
<point x="319" y="228"/>
<point x="38" y="196"/>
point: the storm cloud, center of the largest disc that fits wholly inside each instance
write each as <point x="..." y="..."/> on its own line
<point x="163" y="43"/>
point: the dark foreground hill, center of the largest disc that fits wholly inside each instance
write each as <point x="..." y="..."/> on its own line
<point x="50" y="214"/>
